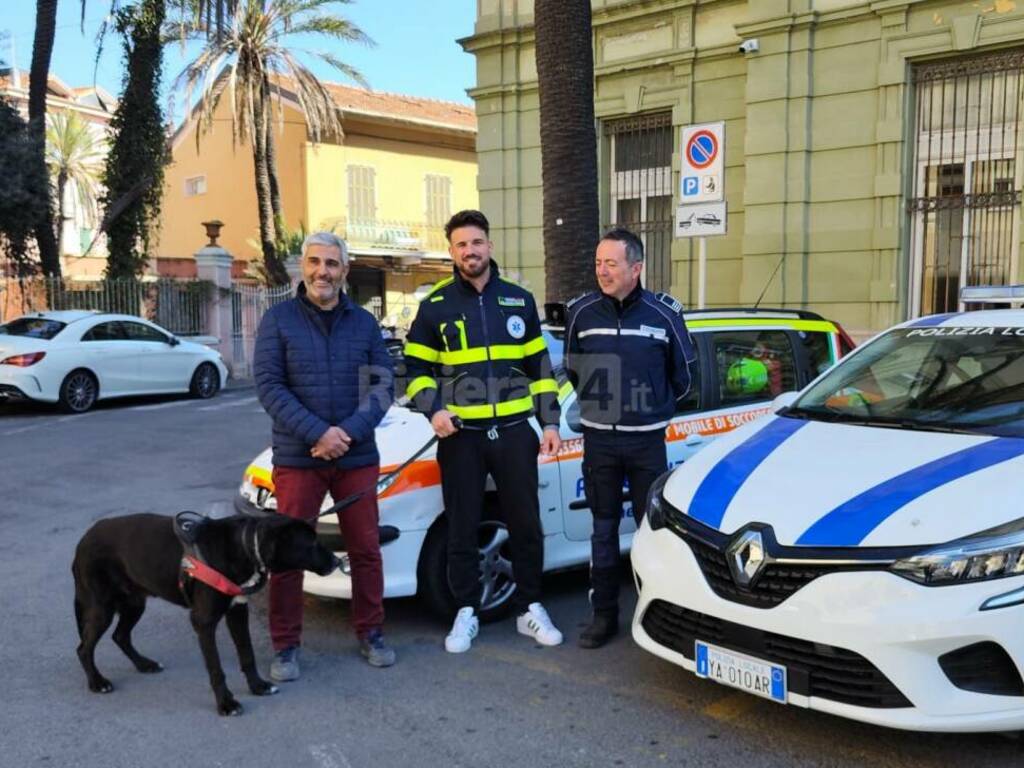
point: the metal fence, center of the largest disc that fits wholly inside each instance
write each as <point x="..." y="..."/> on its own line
<point x="249" y="301"/>
<point x="180" y="306"/>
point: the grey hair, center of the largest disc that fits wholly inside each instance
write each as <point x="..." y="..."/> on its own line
<point x="328" y="239"/>
<point x="633" y="244"/>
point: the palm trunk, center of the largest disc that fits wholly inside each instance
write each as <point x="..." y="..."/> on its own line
<point x="275" y="270"/>
<point x="62" y="184"/>
<point x="275" y="189"/>
<point x="42" y="49"/>
<point x="565" y="76"/>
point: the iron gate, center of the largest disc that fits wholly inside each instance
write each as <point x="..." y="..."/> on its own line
<point x="249" y="301"/>
<point x="965" y="207"/>
<point x="640" y="188"/>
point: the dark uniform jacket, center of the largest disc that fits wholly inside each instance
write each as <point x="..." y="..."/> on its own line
<point x="480" y="355"/>
<point x="309" y="378"/>
<point x="628" y="360"/>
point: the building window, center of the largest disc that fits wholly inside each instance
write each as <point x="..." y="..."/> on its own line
<point x="640" y="188"/>
<point x="439" y="199"/>
<point x="362" y="195"/>
<point x="196" y="185"/>
<point x="965" y="205"/>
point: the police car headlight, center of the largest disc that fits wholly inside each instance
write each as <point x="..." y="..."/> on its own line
<point x="993" y="554"/>
<point x="656" y="502"/>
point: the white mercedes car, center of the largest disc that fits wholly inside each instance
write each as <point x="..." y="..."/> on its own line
<point x="745" y="357"/>
<point x="861" y="550"/>
<point x="77" y="357"/>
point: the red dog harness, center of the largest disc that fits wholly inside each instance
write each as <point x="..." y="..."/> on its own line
<point x="194" y="568"/>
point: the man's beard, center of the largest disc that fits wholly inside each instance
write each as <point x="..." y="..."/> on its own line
<point x="471" y="271"/>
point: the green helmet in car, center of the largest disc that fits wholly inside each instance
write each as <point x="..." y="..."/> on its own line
<point x="746" y="377"/>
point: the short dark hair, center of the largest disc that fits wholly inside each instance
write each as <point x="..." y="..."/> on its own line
<point x="634" y="245"/>
<point x="467" y="218"/>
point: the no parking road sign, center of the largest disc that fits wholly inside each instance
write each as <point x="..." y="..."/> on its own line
<point x="703" y="151"/>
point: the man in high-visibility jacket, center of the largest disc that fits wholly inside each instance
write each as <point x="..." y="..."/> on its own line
<point x="475" y="352"/>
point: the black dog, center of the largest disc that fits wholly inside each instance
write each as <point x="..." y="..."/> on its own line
<point x="121" y="561"/>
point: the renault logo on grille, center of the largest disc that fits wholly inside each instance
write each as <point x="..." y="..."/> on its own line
<point x="746" y="557"/>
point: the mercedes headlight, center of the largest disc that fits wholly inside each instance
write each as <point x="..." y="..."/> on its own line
<point x="656" y="502"/>
<point x="992" y="554"/>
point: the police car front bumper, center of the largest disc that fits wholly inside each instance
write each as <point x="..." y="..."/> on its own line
<point x="897" y="626"/>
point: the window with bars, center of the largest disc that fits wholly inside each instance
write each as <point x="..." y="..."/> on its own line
<point x="640" y="188"/>
<point x="362" y="195"/>
<point x="438" y="190"/>
<point x="965" y="206"/>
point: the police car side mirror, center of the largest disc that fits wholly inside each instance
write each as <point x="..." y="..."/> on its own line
<point x="784" y="400"/>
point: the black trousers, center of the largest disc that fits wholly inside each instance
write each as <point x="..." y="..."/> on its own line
<point x="466" y="458"/>
<point x="610" y="458"/>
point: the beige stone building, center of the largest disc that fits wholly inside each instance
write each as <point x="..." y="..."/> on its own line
<point x="872" y="154"/>
<point x="96" y="107"/>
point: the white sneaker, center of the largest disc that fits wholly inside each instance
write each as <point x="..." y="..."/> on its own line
<point x="463" y="631"/>
<point x="537" y="624"/>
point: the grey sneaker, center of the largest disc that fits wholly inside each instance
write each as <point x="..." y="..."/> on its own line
<point x="285" y="666"/>
<point x="375" y="650"/>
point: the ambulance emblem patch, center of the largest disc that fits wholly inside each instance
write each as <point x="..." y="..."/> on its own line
<point x="516" y="327"/>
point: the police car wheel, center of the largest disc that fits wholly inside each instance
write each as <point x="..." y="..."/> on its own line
<point x="495" y="572"/>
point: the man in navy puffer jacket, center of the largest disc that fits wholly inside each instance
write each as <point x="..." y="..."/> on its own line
<point x="324" y="376"/>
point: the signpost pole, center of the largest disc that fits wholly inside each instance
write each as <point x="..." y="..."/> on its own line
<point x="702" y="270"/>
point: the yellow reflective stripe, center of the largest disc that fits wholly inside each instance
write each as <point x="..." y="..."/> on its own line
<point x="461" y="325"/>
<point x="512" y="407"/>
<point x="439" y="285"/>
<point x="464" y="356"/>
<point x="564" y="391"/>
<point x="420" y="383"/>
<point x="423" y="352"/>
<point x="505" y="408"/>
<point x="497" y="352"/>
<point x="472" y="411"/>
<point x="534" y="346"/>
<point x="543" y="385"/>
<point x="766" y="322"/>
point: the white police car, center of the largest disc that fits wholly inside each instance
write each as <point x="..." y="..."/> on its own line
<point x="861" y="550"/>
<point x="745" y="358"/>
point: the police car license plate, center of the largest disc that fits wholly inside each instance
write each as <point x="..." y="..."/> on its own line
<point x="760" y="678"/>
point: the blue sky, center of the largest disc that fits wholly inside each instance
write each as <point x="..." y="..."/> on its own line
<point x="415" y="52"/>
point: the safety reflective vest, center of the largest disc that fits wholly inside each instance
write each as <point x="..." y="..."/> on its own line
<point x="480" y="356"/>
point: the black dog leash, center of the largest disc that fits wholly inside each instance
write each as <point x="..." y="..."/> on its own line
<point x="351" y="499"/>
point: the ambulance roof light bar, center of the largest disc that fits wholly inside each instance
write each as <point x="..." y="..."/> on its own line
<point x="992" y="294"/>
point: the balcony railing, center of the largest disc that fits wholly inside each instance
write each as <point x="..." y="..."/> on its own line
<point x="409" y="236"/>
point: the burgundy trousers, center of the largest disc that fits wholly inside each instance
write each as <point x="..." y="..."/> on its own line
<point x="299" y="493"/>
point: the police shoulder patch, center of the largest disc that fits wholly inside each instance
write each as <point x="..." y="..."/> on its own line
<point x="672" y="303"/>
<point x="569" y="304"/>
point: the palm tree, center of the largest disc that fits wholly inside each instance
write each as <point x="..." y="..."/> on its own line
<point x="74" y="155"/>
<point x="38" y="79"/>
<point x="249" y="61"/>
<point x="568" y="145"/>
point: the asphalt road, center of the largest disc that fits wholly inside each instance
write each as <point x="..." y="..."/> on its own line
<point x="507" y="702"/>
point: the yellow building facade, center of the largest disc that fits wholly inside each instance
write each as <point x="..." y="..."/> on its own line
<point x="874" y="160"/>
<point x="401" y="168"/>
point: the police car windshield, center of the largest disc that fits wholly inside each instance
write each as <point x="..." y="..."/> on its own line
<point x="946" y="379"/>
